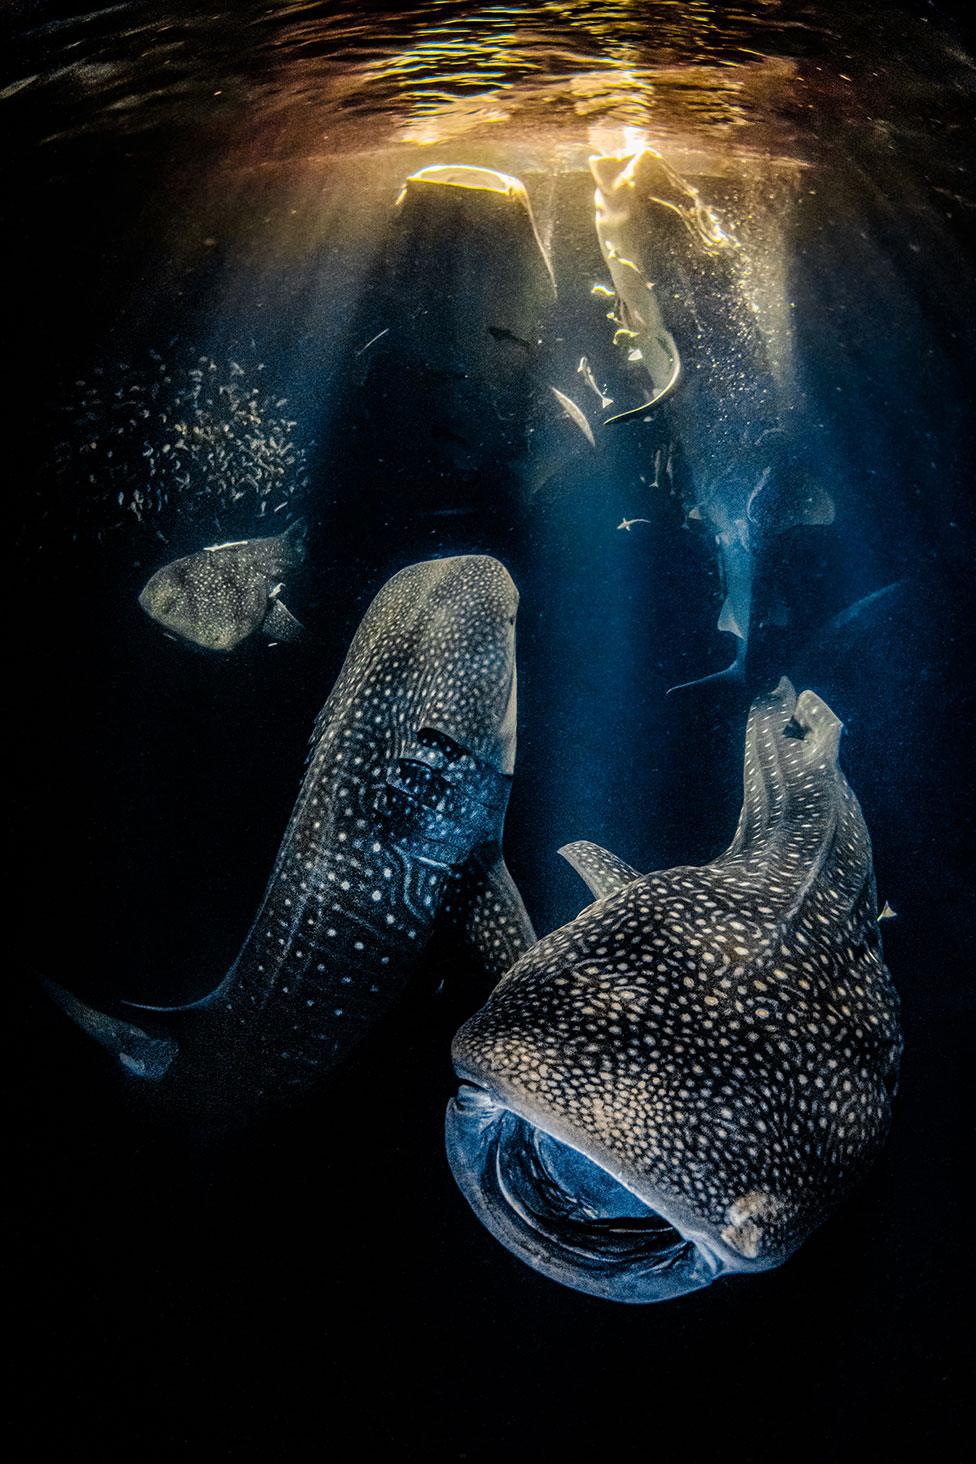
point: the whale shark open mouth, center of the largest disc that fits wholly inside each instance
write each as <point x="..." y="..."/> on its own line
<point x="562" y="1213"/>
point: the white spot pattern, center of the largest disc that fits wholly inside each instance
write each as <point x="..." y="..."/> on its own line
<point x="721" y="1033"/>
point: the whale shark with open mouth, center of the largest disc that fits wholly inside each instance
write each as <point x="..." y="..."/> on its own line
<point x="398" y="824"/>
<point x="684" y="1080"/>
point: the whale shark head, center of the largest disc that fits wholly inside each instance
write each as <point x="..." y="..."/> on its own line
<point x="436" y="651"/>
<point x="684" y="1080"/>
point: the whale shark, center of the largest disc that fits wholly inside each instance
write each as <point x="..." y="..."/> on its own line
<point x="703" y="310"/>
<point x="398" y="823"/>
<point x="745" y="511"/>
<point x="220" y="596"/>
<point x="627" y="185"/>
<point x="684" y="1080"/>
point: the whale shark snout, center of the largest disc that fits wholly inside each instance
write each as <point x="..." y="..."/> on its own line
<point x="466" y="655"/>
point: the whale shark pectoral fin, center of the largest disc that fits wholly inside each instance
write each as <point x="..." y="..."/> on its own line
<point x="200" y="1003"/>
<point x="490" y="915"/>
<point x="602" y="872"/>
<point x="280" y="624"/>
<point x="728" y="620"/>
<point x="733" y="673"/>
<point x="139" y="1052"/>
<point x="632" y="414"/>
<point x="661" y="393"/>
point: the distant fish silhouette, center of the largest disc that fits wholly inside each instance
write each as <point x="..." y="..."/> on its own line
<point x="686" y="1078"/>
<point x="398" y="822"/>
<point x="500" y="333"/>
<point x="227" y="592"/>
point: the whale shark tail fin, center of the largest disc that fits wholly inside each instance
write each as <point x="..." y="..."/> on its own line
<point x="140" y="1053"/>
<point x="791" y="750"/>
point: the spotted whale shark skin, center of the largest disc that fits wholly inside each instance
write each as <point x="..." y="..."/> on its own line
<point x="400" y="815"/>
<point x="221" y="596"/>
<point x="685" y="1079"/>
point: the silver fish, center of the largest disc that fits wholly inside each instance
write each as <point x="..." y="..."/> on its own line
<point x="686" y="1078"/>
<point x="399" y="816"/>
<point x="225" y="593"/>
<point x="575" y="414"/>
<point x="585" y="370"/>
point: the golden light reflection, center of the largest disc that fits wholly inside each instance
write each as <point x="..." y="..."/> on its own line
<point x="312" y="166"/>
<point x="556" y="63"/>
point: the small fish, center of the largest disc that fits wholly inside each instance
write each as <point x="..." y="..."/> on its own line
<point x="575" y="414"/>
<point x="583" y="369"/>
<point x="372" y="341"/>
<point x="227" y="592"/>
<point x="627" y="523"/>
<point x="499" y="333"/>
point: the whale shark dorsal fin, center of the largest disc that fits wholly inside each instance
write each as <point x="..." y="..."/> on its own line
<point x="141" y="1054"/>
<point x="602" y="872"/>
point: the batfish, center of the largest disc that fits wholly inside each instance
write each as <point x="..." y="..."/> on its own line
<point x="683" y="1081"/>
<point x="400" y="814"/>
<point x="225" y="593"/>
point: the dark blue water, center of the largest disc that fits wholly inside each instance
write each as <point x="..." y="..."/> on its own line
<point x="183" y="185"/>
